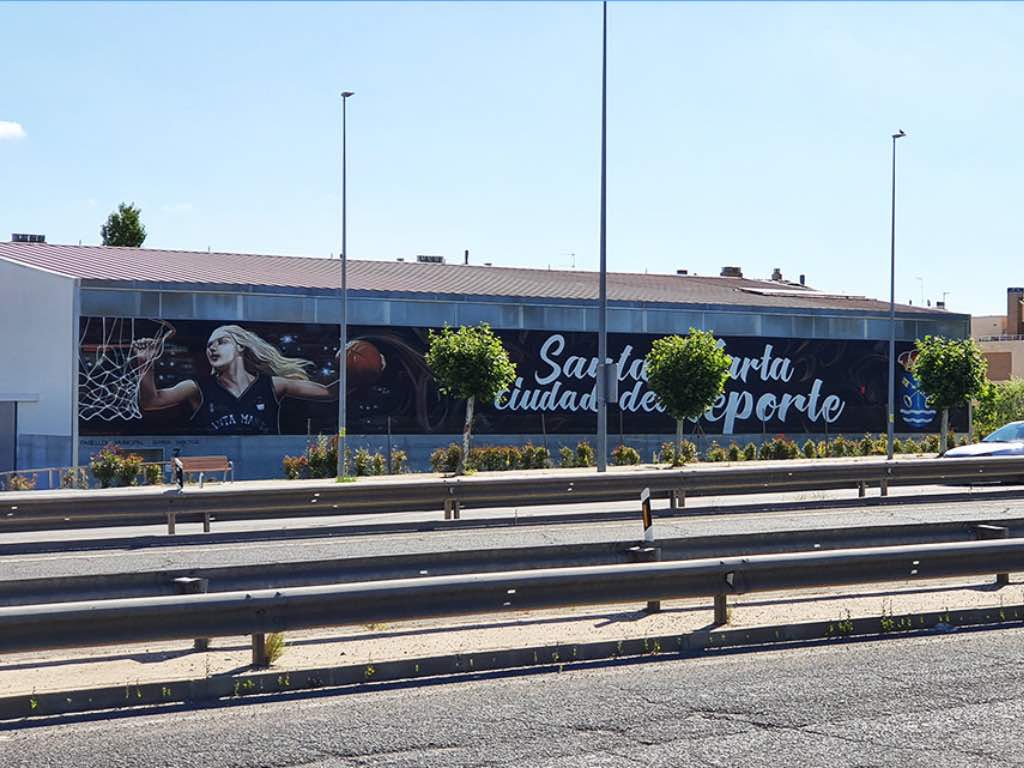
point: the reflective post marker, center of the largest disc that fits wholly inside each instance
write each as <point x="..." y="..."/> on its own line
<point x="645" y="506"/>
<point x="647" y="552"/>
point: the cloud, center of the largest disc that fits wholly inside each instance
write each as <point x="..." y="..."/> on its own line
<point x="9" y="130"/>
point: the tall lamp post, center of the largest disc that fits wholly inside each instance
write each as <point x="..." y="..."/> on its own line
<point x="343" y="336"/>
<point x="602" y="311"/>
<point x="892" y="305"/>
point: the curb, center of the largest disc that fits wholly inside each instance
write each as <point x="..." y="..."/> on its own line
<point x="556" y="657"/>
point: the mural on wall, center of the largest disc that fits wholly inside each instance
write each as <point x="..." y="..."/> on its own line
<point x="147" y="377"/>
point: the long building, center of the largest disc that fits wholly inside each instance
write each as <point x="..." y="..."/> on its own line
<point x="132" y="346"/>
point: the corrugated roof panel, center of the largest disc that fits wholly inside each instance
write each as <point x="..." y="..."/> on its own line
<point x="167" y="266"/>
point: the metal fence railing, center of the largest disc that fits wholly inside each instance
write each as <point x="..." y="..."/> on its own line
<point x="50" y="478"/>
<point x="162" y="580"/>
<point x="31" y="511"/>
<point x="106" y="622"/>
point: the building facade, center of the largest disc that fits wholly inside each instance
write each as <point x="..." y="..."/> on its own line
<point x="115" y="345"/>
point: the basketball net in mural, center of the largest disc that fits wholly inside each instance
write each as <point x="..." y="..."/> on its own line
<point x="112" y="357"/>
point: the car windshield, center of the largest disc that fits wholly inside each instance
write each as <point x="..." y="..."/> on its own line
<point x="1009" y="434"/>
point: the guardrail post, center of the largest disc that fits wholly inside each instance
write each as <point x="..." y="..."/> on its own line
<point x="206" y="521"/>
<point x="983" y="532"/>
<point x="883" y="486"/>
<point x="451" y="506"/>
<point x="721" y="610"/>
<point x="644" y="554"/>
<point x="451" y="509"/>
<point x="677" y="499"/>
<point x="188" y="585"/>
<point x="862" y="489"/>
<point x="259" y="651"/>
<point x="171" y="520"/>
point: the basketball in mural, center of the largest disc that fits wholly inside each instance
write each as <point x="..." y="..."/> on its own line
<point x="364" y="363"/>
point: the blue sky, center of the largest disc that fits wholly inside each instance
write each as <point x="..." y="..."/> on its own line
<point x="743" y="134"/>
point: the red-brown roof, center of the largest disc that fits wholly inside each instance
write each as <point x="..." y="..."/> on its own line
<point x="102" y="263"/>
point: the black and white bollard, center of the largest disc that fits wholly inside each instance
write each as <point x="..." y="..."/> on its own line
<point x="647" y="552"/>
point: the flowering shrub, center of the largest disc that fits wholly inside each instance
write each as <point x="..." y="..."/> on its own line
<point x="113" y="464"/>
<point x="667" y="454"/>
<point x="623" y="455"/>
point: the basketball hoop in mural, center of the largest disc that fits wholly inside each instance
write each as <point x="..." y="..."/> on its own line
<point x="113" y="355"/>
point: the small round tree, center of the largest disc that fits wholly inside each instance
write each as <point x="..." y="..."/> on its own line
<point x="469" y="364"/>
<point x="124" y="227"/>
<point x="687" y="375"/>
<point x="950" y="372"/>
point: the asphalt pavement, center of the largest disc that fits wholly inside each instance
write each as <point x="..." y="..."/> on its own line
<point x="934" y="701"/>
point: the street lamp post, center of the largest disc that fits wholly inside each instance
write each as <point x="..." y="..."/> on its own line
<point x="892" y="305"/>
<point x="602" y="312"/>
<point x="343" y="336"/>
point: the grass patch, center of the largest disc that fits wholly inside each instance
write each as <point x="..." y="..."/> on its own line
<point x="275" y="646"/>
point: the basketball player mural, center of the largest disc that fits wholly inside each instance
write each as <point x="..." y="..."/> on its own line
<point x="248" y="379"/>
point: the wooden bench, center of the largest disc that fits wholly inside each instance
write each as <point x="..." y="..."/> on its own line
<point x="190" y="465"/>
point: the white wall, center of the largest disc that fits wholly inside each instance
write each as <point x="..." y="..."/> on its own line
<point x="36" y="346"/>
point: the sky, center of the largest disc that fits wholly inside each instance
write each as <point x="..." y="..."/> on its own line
<point x="755" y="135"/>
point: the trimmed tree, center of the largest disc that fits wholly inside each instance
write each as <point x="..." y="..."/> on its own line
<point x="1001" y="402"/>
<point x="687" y="374"/>
<point x="124" y="227"/>
<point x="950" y="372"/>
<point x="469" y="364"/>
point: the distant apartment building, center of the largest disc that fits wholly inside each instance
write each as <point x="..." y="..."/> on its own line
<point x="1002" y="338"/>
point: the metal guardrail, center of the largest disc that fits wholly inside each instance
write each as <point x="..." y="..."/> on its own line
<point x="85" y="624"/>
<point x="304" y="573"/>
<point x="79" y="509"/>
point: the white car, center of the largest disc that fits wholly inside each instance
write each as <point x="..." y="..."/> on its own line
<point x="1008" y="440"/>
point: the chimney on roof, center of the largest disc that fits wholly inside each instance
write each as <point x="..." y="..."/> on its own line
<point x="802" y="280"/>
<point x="400" y="258"/>
<point x="1014" y="321"/>
<point x="424" y="259"/>
<point x="940" y="305"/>
<point x="682" y="271"/>
<point x="487" y="263"/>
<point x="20" y="237"/>
<point x="465" y="258"/>
<point x="732" y="272"/>
<point x="777" y="274"/>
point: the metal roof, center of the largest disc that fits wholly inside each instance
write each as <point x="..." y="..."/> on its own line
<point x="150" y="265"/>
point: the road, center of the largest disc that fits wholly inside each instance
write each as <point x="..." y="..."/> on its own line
<point x="935" y="701"/>
<point x="302" y="545"/>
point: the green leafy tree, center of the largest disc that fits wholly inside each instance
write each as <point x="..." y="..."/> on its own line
<point x="469" y="364"/>
<point x="1001" y="402"/>
<point x="951" y="372"/>
<point x="124" y="227"/>
<point x="687" y="375"/>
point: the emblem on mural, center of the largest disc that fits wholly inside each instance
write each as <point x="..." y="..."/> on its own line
<point x="912" y="401"/>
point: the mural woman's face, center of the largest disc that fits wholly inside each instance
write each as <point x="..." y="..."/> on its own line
<point x="221" y="349"/>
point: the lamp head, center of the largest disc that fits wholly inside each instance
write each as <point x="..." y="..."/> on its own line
<point x="346" y="94"/>
<point x="899" y="135"/>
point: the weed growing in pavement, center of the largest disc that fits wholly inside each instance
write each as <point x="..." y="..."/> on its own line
<point x="840" y="628"/>
<point x="275" y="647"/>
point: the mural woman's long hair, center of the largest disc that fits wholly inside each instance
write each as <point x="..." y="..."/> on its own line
<point x="262" y="356"/>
